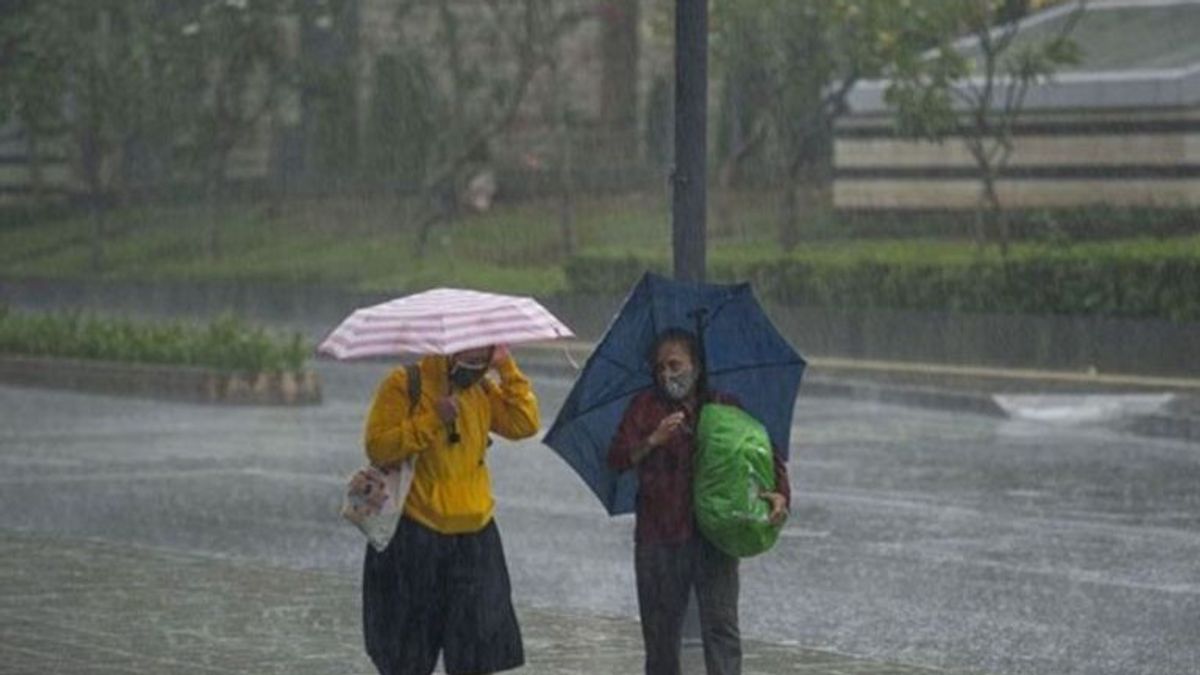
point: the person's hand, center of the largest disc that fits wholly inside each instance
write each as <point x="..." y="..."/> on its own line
<point x="499" y="354"/>
<point x="367" y="491"/>
<point x="447" y="409"/>
<point x="666" y="429"/>
<point x="779" y="510"/>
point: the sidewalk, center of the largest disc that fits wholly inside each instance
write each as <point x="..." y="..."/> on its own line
<point x="946" y="387"/>
<point x="85" y="607"/>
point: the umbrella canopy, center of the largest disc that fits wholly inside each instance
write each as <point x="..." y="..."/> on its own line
<point x="442" y="321"/>
<point x="744" y="355"/>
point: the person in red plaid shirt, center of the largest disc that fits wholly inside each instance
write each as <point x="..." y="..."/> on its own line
<point x="656" y="438"/>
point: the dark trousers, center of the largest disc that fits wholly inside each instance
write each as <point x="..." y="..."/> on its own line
<point x="430" y="592"/>
<point x="665" y="575"/>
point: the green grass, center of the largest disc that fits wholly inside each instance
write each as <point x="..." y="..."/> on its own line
<point x="370" y="245"/>
<point x="351" y="244"/>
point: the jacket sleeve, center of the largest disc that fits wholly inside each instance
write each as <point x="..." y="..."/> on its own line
<point x="392" y="433"/>
<point x="629" y="436"/>
<point x="514" y="405"/>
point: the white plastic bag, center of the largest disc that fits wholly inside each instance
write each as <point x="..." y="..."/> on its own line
<point x="374" y="500"/>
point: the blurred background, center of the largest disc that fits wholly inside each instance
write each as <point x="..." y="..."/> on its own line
<point x="895" y="163"/>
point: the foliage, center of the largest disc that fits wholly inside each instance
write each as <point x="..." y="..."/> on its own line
<point x="147" y="85"/>
<point x="227" y="343"/>
<point x="487" y="56"/>
<point x="234" y="51"/>
<point x="89" y="70"/>
<point x="791" y="65"/>
<point x="515" y="248"/>
<point x="404" y="117"/>
<point x="1138" y="278"/>
<point x="979" y="101"/>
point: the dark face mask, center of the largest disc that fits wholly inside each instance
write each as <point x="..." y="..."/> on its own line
<point x="463" y="376"/>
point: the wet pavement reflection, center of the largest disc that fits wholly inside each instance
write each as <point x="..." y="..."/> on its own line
<point x="942" y="539"/>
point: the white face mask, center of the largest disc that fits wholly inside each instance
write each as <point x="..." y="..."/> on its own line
<point x="679" y="385"/>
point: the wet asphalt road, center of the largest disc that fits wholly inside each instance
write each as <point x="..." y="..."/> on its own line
<point x="917" y="536"/>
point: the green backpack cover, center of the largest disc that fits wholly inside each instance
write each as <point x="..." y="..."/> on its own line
<point x="734" y="464"/>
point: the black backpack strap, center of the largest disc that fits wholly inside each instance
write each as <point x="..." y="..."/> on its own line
<point x="414" y="386"/>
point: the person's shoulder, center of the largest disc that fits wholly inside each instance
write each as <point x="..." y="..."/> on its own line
<point x="398" y="376"/>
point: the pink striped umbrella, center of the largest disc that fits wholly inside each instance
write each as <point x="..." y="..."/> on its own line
<point x="442" y="321"/>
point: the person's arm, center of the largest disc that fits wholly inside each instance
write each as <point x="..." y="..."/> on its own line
<point x="781" y="498"/>
<point x="632" y="443"/>
<point x="629" y="445"/>
<point x="393" y="434"/>
<point x="782" y="484"/>
<point x="514" y="405"/>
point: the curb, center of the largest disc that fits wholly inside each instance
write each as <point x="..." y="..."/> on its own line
<point x="979" y="403"/>
<point x="178" y="383"/>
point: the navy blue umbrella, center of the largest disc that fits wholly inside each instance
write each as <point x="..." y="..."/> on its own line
<point x="743" y="352"/>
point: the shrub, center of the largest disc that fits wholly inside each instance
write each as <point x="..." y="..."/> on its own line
<point x="227" y="343"/>
<point x="1142" y="279"/>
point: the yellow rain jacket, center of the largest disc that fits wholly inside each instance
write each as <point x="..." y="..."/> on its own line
<point x="451" y="489"/>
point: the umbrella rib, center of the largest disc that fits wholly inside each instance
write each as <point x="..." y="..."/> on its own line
<point x="617" y="363"/>
<point x="601" y="404"/>
<point x="758" y="366"/>
<point x="713" y="317"/>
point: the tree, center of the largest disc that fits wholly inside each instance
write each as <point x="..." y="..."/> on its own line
<point x="146" y="90"/>
<point x="235" y="53"/>
<point x="32" y="77"/>
<point x="484" y="58"/>
<point x="789" y="65"/>
<point x="619" y="47"/>
<point x="84" y="72"/>
<point x="978" y="95"/>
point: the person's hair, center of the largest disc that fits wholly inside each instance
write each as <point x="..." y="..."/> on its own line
<point x="678" y="336"/>
<point x="689" y="341"/>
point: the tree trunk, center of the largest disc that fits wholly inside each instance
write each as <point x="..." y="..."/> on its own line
<point x="443" y="200"/>
<point x="90" y="158"/>
<point x="995" y="226"/>
<point x="789" y="228"/>
<point x="810" y="177"/>
<point x="566" y="216"/>
<point x="619" y="74"/>
<point x="96" y="215"/>
<point x="37" y="177"/>
<point x="739" y="147"/>
<point x="214" y="193"/>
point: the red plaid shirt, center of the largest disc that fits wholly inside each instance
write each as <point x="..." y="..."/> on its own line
<point x="664" y="501"/>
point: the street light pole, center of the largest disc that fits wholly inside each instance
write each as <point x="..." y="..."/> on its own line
<point x="689" y="178"/>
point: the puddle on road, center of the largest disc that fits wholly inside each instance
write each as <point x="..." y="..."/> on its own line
<point x="1069" y="409"/>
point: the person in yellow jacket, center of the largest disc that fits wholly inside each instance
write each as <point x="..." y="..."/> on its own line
<point x="442" y="583"/>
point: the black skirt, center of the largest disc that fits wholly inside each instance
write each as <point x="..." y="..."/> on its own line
<point x="430" y="592"/>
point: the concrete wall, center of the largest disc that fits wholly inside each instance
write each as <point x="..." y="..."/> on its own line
<point x="1135" y="157"/>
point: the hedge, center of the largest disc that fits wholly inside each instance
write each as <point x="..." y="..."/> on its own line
<point x="225" y="344"/>
<point x="1113" y="281"/>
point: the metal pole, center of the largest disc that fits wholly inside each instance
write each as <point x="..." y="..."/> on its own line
<point x="689" y="196"/>
<point x="689" y="193"/>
